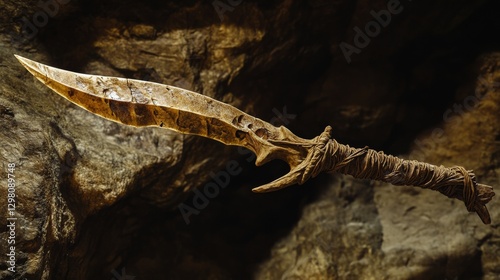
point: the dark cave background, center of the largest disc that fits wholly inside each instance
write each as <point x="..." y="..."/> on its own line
<point x="431" y="66"/>
<point x="393" y="92"/>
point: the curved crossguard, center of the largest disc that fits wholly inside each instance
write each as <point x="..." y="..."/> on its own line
<point x="140" y="103"/>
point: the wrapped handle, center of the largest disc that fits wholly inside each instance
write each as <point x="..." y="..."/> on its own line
<point x="327" y="155"/>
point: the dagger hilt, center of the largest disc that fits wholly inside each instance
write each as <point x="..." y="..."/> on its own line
<point x="327" y="155"/>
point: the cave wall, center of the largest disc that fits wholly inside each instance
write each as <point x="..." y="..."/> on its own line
<point x="96" y="199"/>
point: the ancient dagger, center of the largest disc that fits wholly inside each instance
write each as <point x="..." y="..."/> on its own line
<point x="140" y="103"/>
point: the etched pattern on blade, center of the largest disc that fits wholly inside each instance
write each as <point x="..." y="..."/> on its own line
<point x="141" y="103"/>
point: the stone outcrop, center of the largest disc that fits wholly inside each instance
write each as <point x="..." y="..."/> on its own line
<point x="97" y="200"/>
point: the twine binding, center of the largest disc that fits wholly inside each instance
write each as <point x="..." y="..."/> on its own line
<point x="364" y="163"/>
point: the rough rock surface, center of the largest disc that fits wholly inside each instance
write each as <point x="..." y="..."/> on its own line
<point x="359" y="230"/>
<point x="97" y="199"/>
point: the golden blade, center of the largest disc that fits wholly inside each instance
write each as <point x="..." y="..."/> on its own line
<point x="141" y="103"/>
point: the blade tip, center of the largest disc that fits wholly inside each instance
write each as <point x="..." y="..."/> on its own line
<point x="24" y="61"/>
<point x="20" y="58"/>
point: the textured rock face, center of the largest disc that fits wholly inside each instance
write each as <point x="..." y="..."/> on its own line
<point x="387" y="232"/>
<point x="97" y="199"/>
<point x="338" y="236"/>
